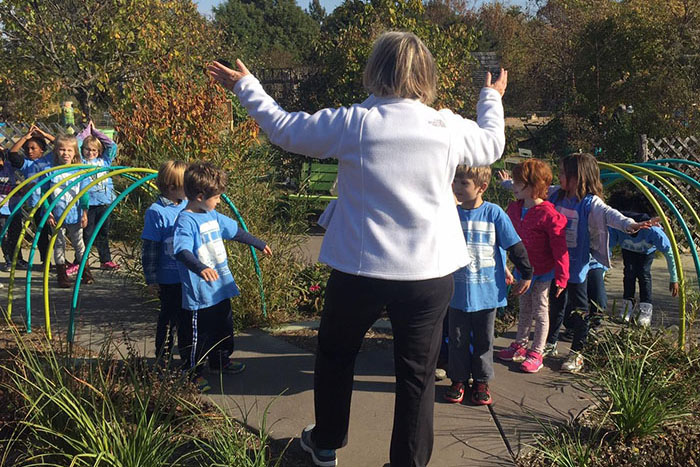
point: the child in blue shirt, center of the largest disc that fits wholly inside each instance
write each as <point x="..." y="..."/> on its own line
<point x="99" y="150"/>
<point x="158" y="259"/>
<point x="638" y="252"/>
<point x="66" y="152"/>
<point x="480" y="287"/>
<point x="207" y="282"/>
<point x="34" y="160"/>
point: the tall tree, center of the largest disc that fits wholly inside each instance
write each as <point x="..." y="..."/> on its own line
<point x="347" y="38"/>
<point x="267" y="32"/>
<point x="91" y="48"/>
<point x="317" y="12"/>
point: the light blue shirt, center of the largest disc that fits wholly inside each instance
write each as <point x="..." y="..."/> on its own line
<point x="30" y="168"/>
<point x="578" y="240"/>
<point x="159" y="226"/>
<point x="488" y="232"/>
<point x="203" y="234"/>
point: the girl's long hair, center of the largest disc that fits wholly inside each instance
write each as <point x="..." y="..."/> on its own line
<point x="583" y="168"/>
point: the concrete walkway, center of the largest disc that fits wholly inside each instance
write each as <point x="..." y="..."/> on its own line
<point x="279" y="378"/>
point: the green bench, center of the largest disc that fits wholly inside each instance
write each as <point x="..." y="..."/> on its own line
<point x="316" y="182"/>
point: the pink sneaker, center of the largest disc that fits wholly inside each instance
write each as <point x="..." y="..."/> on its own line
<point x="532" y="363"/>
<point x="109" y="265"/>
<point x="72" y="269"/>
<point x="515" y="353"/>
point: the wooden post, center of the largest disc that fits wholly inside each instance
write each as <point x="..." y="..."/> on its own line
<point x="642" y="148"/>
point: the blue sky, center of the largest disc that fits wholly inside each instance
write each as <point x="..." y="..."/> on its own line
<point x="206" y="5"/>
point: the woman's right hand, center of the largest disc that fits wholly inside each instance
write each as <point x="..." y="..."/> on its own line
<point x="225" y="76"/>
<point x="500" y="84"/>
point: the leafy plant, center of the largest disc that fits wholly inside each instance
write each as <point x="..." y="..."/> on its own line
<point x="568" y="446"/>
<point x="637" y="384"/>
<point x="310" y="285"/>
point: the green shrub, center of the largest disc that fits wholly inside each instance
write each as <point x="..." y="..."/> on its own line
<point x="636" y="379"/>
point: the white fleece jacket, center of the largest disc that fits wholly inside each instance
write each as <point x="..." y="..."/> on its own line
<point x="395" y="217"/>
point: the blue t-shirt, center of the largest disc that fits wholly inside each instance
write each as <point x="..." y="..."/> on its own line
<point x="577" y="238"/>
<point x="645" y="241"/>
<point x="76" y="211"/>
<point x="203" y="235"/>
<point x="159" y="226"/>
<point x="30" y="168"/>
<point x="102" y="193"/>
<point x="481" y="285"/>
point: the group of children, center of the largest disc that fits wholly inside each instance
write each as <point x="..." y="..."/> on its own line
<point x="558" y="239"/>
<point x="28" y="157"/>
<point x="185" y="259"/>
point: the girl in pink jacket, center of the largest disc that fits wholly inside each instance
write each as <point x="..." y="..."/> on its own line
<point x="543" y="231"/>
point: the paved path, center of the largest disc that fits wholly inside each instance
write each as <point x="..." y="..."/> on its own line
<point x="280" y="378"/>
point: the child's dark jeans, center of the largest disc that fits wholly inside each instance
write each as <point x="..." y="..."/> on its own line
<point x="171" y="313"/>
<point x="637" y="267"/>
<point x="569" y="308"/>
<point x="471" y="345"/>
<point x="210" y="335"/>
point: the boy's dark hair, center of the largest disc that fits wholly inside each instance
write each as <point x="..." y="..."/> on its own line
<point x="38" y="140"/>
<point x="630" y="202"/>
<point x="205" y="179"/>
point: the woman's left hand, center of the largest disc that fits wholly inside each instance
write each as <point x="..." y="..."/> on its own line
<point x="225" y="76"/>
<point x="83" y="220"/>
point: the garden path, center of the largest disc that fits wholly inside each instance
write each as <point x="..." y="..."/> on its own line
<point x="280" y="375"/>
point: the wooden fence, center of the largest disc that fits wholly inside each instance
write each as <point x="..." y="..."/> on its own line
<point x="11" y="132"/>
<point x="686" y="148"/>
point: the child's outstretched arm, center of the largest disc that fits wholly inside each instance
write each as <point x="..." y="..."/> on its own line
<point x="518" y="256"/>
<point x="663" y="244"/>
<point x="249" y="239"/>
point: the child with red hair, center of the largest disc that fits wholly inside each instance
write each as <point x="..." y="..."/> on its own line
<point x="543" y="231"/>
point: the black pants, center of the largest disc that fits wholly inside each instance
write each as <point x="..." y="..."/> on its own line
<point x="571" y="309"/>
<point x="9" y="242"/>
<point x="416" y="310"/>
<point x="208" y="333"/>
<point x="102" y="239"/>
<point x="43" y="243"/>
<point x="169" y="318"/>
<point x="471" y="345"/>
<point x="637" y="267"/>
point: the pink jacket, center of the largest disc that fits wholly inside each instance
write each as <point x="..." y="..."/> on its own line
<point x="543" y="234"/>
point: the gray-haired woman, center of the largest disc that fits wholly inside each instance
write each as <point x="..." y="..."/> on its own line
<point x="394" y="238"/>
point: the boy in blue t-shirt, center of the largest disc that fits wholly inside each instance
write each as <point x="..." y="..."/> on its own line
<point x="207" y="282"/>
<point x="158" y="259"/>
<point x="480" y="287"/>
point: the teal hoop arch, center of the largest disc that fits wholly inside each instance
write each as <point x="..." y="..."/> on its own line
<point x="614" y="178"/>
<point x="42" y="223"/>
<point x="88" y="171"/>
<point x="667" y="226"/>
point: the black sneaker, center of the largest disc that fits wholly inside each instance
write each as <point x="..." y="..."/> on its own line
<point x="321" y="457"/>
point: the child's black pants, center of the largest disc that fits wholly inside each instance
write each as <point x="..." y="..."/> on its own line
<point x="637" y="267"/>
<point x="209" y="335"/>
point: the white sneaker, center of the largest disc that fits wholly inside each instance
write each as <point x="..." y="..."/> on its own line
<point x="627" y="310"/>
<point x="645" y="310"/>
<point x="440" y="374"/>
<point x="550" y="350"/>
<point x="573" y="363"/>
